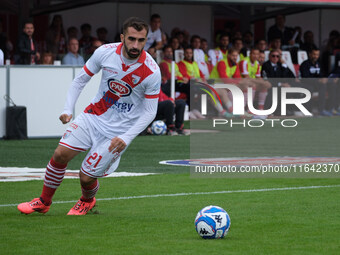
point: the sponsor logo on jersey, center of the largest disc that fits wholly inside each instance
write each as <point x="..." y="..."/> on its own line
<point x="119" y="88"/>
<point x="119" y="106"/>
<point x="135" y="79"/>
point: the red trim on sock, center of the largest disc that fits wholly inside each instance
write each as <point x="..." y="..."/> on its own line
<point x="56" y="164"/>
<point x="47" y="194"/>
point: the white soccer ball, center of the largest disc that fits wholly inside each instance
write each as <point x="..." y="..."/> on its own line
<point x="212" y="222"/>
<point x="158" y="127"/>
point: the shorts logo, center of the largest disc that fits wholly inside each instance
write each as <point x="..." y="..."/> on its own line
<point x="119" y="88"/>
<point x="67" y="134"/>
<point x="135" y="79"/>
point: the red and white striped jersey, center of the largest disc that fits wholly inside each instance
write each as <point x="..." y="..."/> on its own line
<point x="119" y="101"/>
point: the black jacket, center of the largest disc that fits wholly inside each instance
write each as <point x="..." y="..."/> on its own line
<point x="24" y="51"/>
<point x="268" y="71"/>
<point x="310" y="70"/>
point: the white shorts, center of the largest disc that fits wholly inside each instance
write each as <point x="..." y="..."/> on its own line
<point x="81" y="136"/>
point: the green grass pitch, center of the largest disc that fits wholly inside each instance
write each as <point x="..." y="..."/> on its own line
<point x="303" y="221"/>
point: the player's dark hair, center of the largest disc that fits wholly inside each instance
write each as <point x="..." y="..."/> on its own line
<point x="137" y="23"/>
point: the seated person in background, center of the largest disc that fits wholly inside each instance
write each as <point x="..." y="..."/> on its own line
<point x="95" y="45"/>
<point x="248" y="43"/>
<point x="190" y="71"/>
<point x="273" y="68"/>
<point x="47" y="58"/>
<point x="199" y="55"/>
<point x="221" y="52"/>
<point x="262" y="58"/>
<point x="167" y="108"/>
<point x="311" y="68"/>
<point x="227" y="71"/>
<point x="102" y="34"/>
<point x="227" y="68"/>
<point x="250" y="68"/>
<point x="262" y="45"/>
<point x="205" y="48"/>
<point x="280" y="30"/>
<point x="165" y="67"/>
<point x="308" y="42"/>
<point x="72" y="32"/>
<point x="86" y="40"/>
<point x="174" y="43"/>
<point x="154" y="39"/>
<point x="275" y="44"/>
<point x="238" y="45"/>
<point x="188" y="67"/>
<point x="72" y="57"/>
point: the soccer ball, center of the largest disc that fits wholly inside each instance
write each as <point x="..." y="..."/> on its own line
<point x="212" y="222"/>
<point x="158" y="127"/>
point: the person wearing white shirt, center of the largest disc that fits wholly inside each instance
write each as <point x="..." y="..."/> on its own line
<point x="155" y="33"/>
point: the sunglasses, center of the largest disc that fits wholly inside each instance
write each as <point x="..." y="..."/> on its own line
<point x="275" y="56"/>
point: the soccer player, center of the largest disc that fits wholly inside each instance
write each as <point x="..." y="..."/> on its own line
<point x="125" y="104"/>
<point x="250" y="68"/>
<point x="221" y="52"/>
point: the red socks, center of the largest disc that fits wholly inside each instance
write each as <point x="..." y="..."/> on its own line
<point x="89" y="192"/>
<point x="54" y="175"/>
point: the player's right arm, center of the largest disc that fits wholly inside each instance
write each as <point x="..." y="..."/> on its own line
<point x="91" y="67"/>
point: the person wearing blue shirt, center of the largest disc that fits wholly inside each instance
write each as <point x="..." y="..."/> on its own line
<point x="72" y="57"/>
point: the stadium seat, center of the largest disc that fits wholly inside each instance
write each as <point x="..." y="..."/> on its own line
<point x="287" y="58"/>
<point x="302" y="56"/>
<point x="179" y="55"/>
<point x="159" y="56"/>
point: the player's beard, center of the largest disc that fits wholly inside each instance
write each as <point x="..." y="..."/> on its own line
<point x="132" y="53"/>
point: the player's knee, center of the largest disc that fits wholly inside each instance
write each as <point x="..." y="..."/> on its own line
<point x="86" y="180"/>
<point x="61" y="156"/>
<point x="180" y="103"/>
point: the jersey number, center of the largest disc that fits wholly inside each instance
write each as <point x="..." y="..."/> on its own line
<point x="92" y="159"/>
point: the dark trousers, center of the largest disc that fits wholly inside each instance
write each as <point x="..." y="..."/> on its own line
<point x="179" y="87"/>
<point x="167" y="109"/>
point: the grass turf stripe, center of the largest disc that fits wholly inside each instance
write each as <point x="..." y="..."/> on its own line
<point x="195" y="194"/>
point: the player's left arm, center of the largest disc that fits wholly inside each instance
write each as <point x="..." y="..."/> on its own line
<point x="147" y="115"/>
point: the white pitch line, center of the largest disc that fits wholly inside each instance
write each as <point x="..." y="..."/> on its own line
<point x="195" y="194"/>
